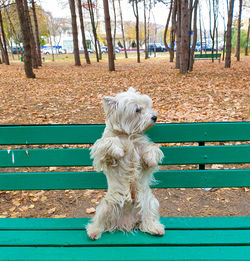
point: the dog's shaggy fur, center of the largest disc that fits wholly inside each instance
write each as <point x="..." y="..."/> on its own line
<point x="128" y="159"/>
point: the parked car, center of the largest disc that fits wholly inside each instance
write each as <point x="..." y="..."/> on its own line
<point x="156" y="47"/>
<point x="55" y="51"/>
<point x="17" y="49"/>
<point x="104" y="49"/>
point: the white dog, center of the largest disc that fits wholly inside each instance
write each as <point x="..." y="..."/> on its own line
<point x="128" y="159"/>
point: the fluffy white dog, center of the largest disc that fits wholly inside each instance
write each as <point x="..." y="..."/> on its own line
<point x="128" y="159"/>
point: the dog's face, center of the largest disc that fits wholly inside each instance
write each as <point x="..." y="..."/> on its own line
<point x="129" y="112"/>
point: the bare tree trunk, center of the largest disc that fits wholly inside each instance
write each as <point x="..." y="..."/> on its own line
<point x="246" y="48"/>
<point x="2" y="50"/>
<point x="224" y="42"/>
<point x="229" y="32"/>
<point x="36" y="33"/>
<point x="122" y="28"/>
<point x="86" y="54"/>
<point x="74" y="31"/>
<point x="145" y="30"/>
<point x="238" y="32"/>
<point x="191" y="62"/>
<point x="6" y="56"/>
<point x="166" y="30"/>
<point x="109" y="36"/>
<point x="26" y="38"/>
<point x="178" y="40"/>
<point x="173" y="32"/>
<point x="200" y="29"/>
<point x="92" y="18"/>
<point x="136" y="13"/>
<point x="32" y="39"/>
<point x="184" y="56"/>
<point x="114" y="35"/>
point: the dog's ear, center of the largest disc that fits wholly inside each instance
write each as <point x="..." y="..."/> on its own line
<point x="131" y="89"/>
<point x="109" y="104"/>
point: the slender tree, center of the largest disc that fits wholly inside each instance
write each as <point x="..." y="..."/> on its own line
<point x="122" y="28"/>
<point x="229" y="33"/>
<point x="191" y="62"/>
<point x="184" y="56"/>
<point x="32" y="39"/>
<point x="37" y="36"/>
<point x="145" y="29"/>
<point x="74" y="31"/>
<point x="114" y="33"/>
<point x="246" y="48"/>
<point x="178" y="35"/>
<point x="237" y="54"/>
<point x="26" y="38"/>
<point x="200" y="29"/>
<point x="109" y="36"/>
<point x="92" y="19"/>
<point x="79" y="5"/>
<point x="6" y="56"/>
<point x="166" y="30"/>
<point x="136" y="14"/>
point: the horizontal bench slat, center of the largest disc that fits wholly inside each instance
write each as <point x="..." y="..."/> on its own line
<point x="142" y="253"/>
<point x="80" y="134"/>
<point x="80" y="157"/>
<point x="80" y="238"/>
<point x="171" y="223"/>
<point x="95" y="180"/>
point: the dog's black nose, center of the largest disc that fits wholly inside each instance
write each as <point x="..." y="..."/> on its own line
<point x="154" y="118"/>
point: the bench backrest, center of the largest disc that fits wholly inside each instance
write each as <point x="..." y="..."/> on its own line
<point x="208" y="55"/>
<point x="16" y="151"/>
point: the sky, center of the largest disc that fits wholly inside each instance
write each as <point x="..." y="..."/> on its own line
<point x="59" y="8"/>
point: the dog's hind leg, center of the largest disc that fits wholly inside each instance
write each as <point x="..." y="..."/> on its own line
<point x="150" y="214"/>
<point x="97" y="227"/>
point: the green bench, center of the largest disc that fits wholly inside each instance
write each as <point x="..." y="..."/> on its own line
<point x="186" y="238"/>
<point x="207" y="56"/>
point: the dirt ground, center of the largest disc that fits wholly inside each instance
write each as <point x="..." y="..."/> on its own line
<point x="63" y="93"/>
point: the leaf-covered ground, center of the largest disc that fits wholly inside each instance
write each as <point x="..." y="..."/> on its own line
<point x="63" y="93"/>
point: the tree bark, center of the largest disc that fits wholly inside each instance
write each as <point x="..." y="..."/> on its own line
<point x="74" y="31"/>
<point x="145" y="30"/>
<point x="178" y="39"/>
<point x="184" y="56"/>
<point x="26" y="39"/>
<point x="37" y="37"/>
<point x="32" y="39"/>
<point x="173" y="32"/>
<point x="114" y="35"/>
<point x="109" y="36"/>
<point x="6" y="56"/>
<point x="136" y="13"/>
<point x="200" y="30"/>
<point x="191" y="62"/>
<point x="122" y="28"/>
<point x="246" y="48"/>
<point x="229" y="33"/>
<point x="238" y="32"/>
<point x="92" y="18"/>
<point x="166" y="29"/>
<point x="86" y="54"/>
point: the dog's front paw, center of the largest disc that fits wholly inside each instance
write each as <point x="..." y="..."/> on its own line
<point x="152" y="156"/>
<point x="154" y="228"/>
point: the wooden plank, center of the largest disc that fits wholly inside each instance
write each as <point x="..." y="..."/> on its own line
<point x="235" y="154"/>
<point x="143" y="253"/>
<point x="171" y="223"/>
<point x="96" y="180"/>
<point x="80" y="134"/>
<point x="80" y="238"/>
<point x="196" y="132"/>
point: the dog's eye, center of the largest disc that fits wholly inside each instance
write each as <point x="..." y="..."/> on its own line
<point x="138" y="110"/>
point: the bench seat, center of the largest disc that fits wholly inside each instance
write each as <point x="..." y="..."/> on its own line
<point x="66" y="239"/>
